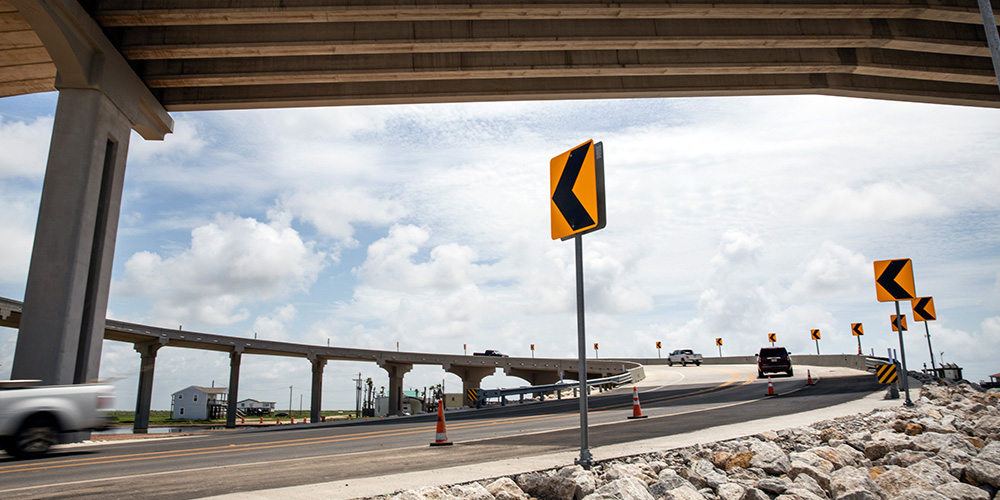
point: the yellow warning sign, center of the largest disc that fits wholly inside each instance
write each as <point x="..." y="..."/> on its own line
<point x="886" y="374"/>
<point x="902" y="323"/>
<point x="772" y="337"/>
<point x="923" y="309"/>
<point x="815" y="334"/>
<point x="894" y="280"/>
<point x="576" y="191"/>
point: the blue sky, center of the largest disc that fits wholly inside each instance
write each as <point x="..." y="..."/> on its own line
<point x="428" y="225"/>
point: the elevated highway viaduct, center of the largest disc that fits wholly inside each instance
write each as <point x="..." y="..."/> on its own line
<point x="122" y="65"/>
<point x="148" y="340"/>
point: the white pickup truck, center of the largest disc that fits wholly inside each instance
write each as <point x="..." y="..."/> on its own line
<point x="684" y="356"/>
<point x="33" y="416"/>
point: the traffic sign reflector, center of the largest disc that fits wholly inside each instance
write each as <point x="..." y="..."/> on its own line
<point x="815" y="334"/>
<point x="718" y="341"/>
<point x="857" y="330"/>
<point x="902" y="320"/>
<point x="886" y="374"/>
<point x="923" y="309"/>
<point x="576" y="191"/>
<point x="894" y="280"/>
<point x="772" y="337"/>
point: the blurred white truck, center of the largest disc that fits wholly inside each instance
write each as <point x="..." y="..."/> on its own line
<point x="33" y="417"/>
<point x="684" y="357"/>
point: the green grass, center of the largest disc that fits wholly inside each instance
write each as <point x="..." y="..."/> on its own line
<point x="163" y="417"/>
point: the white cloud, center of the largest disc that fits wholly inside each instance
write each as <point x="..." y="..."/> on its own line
<point x="273" y="327"/>
<point x="884" y="201"/>
<point x="335" y="211"/>
<point x="230" y="263"/>
<point x="738" y="248"/>
<point x="833" y="269"/>
<point x="390" y="263"/>
<point x="26" y="147"/>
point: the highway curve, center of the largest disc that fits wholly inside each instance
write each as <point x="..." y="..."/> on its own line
<point x="675" y="400"/>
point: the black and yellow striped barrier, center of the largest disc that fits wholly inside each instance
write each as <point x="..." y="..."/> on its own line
<point x="886" y="374"/>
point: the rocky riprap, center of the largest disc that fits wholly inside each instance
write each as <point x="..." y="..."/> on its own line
<point x="947" y="446"/>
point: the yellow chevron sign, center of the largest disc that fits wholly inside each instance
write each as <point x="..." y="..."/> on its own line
<point x="857" y="329"/>
<point x="923" y="309"/>
<point x="815" y="334"/>
<point x="718" y="341"/>
<point x="902" y="322"/>
<point x="886" y="374"/>
<point x="658" y="345"/>
<point x="576" y="194"/>
<point x="772" y="337"/>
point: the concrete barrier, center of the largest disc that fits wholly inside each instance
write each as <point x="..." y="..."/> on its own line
<point x="845" y="360"/>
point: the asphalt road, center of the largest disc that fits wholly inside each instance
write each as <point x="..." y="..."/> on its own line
<point x="675" y="400"/>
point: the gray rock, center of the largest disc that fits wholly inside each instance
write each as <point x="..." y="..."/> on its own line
<point x="906" y="458"/>
<point x="731" y="491"/>
<point x="962" y="491"/>
<point x="683" y="493"/>
<point x="935" y="473"/>
<point x="506" y="487"/>
<point x="820" y="477"/>
<point x="853" y="483"/>
<point x="471" y="491"/>
<point x="668" y="480"/>
<point x="990" y="453"/>
<point x="982" y="472"/>
<point x="876" y="450"/>
<point x="755" y="494"/>
<point x="806" y="482"/>
<point x="918" y="494"/>
<point x="770" y="457"/>
<point x="896" y="481"/>
<point x="628" y="488"/>
<point x="773" y="485"/>
<point x="548" y="487"/>
<point x="425" y="493"/>
<point x="799" y="494"/>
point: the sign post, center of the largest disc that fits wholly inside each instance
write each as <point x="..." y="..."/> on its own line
<point x="815" y="336"/>
<point x="923" y="310"/>
<point x="532" y="351"/>
<point x="894" y="282"/>
<point x="772" y="338"/>
<point x="576" y="196"/>
<point x="857" y="330"/>
<point x="658" y="345"/>
<point x="718" y="342"/>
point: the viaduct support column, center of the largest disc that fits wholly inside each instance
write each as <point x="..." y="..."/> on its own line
<point x="66" y="297"/>
<point x="147" y="352"/>
<point x="396" y="372"/>
<point x="235" y="358"/>
<point x="472" y="378"/>
<point x="317" y="388"/>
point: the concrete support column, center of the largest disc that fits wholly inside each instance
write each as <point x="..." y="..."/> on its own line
<point x="66" y="297"/>
<point x="144" y="397"/>
<point x="396" y="372"/>
<point x="235" y="358"/>
<point x="472" y="378"/>
<point x="317" y="388"/>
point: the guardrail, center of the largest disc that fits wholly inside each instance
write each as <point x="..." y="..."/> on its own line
<point x="621" y="378"/>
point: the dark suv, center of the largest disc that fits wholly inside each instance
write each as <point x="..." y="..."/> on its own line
<point x="772" y="360"/>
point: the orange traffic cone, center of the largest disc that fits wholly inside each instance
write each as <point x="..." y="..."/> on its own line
<point x="243" y="420"/>
<point x="636" y="411"/>
<point x="770" y="387"/>
<point x="441" y="439"/>
<point x="292" y="419"/>
<point x="809" y="378"/>
<point x="277" y="420"/>
<point x="262" y="419"/>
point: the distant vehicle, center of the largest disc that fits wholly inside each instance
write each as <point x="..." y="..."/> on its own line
<point x="490" y="352"/>
<point x="773" y="360"/>
<point x="32" y="416"/>
<point x="684" y="356"/>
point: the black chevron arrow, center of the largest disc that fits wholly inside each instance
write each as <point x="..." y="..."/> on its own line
<point x="567" y="202"/>
<point x="857" y="329"/>
<point x="888" y="280"/>
<point x="918" y="308"/>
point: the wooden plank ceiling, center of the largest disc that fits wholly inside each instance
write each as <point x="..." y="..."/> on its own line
<point x="227" y="54"/>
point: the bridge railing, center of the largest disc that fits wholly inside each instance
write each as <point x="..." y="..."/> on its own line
<point x="614" y="380"/>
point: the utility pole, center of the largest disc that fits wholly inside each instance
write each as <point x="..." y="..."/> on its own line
<point x="357" y="399"/>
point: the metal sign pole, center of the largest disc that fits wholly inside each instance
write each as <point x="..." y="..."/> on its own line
<point x="902" y="356"/>
<point x="859" y="345"/>
<point x="817" y="347"/>
<point x="585" y="459"/>
<point x="929" y="348"/>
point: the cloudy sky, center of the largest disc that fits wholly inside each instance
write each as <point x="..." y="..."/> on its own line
<point x="428" y="225"/>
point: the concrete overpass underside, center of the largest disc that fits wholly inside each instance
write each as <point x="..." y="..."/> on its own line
<point x="224" y="54"/>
